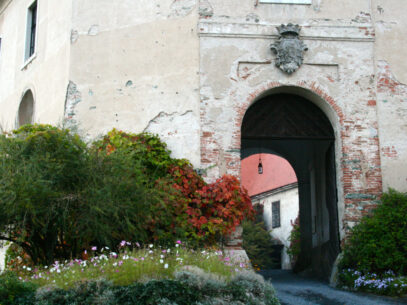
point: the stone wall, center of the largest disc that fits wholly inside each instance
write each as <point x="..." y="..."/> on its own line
<point x="338" y="74"/>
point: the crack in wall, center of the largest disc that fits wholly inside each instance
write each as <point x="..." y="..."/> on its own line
<point x="163" y="114"/>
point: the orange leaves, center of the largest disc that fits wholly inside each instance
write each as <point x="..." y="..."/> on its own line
<point x="214" y="209"/>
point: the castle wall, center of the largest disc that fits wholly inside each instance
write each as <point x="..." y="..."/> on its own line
<point x="134" y="66"/>
<point x="189" y="69"/>
<point x="46" y="73"/>
<point x="338" y="74"/>
<point x="391" y="78"/>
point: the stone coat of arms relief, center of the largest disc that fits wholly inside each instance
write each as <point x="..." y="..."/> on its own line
<point x="289" y="48"/>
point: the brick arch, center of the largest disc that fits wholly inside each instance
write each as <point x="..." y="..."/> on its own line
<point x="333" y="111"/>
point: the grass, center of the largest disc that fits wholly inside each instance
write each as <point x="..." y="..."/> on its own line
<point x="131" y="265"/>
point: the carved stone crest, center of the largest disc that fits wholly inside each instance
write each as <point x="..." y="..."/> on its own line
<point x="289" y="48"/>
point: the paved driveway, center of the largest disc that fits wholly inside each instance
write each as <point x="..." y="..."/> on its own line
<point x="295" y="290"/>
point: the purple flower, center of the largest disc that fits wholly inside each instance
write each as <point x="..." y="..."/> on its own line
<point x="94" y="248"/>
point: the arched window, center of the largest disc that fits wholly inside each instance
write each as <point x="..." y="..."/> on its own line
<point x="26" y="109"/>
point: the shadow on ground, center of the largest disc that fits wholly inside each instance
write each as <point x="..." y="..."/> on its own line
<point x="293" y="289"/>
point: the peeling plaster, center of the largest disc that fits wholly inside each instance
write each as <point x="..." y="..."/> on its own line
<point x="74" y="36"/>
<point x="205" y="9"/>
<point x="180" y="131"/>
<point x="93" y="30"/>
<point x="162" y="115"/>
<point x="73" y="97"/>
<point x="362" y="17"/>
<point x="182" y="8"/>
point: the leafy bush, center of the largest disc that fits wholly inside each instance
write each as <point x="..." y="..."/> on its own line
<point x="257" y="241"/>
<point x="379" y="242"/>
<point x="14" y="291"/>
<point x="41" y="171"/>
<point x="192" y="209"/>
<point x="59" y="196"/>
<point x="295" y="241"/>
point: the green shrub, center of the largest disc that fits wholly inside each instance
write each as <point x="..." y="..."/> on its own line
<point x="257" y="241"/>
<point x="14" y="291"/>
<point x="41" y="171"/>
<point x="379" y="243"/>
<point x="188" y="288"/>
<point x="59" y="197"/>
<point x="295" y="241"/>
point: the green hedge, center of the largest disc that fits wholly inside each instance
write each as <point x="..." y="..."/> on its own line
<point x="379" y="243"/>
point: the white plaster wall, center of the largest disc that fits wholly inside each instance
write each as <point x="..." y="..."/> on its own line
<point x="3" y="250"/>
<point x="47" y="74"/>
<point x="135" y="67"/>
<point x="289" y="210"/>
<point x="391" y="32"/>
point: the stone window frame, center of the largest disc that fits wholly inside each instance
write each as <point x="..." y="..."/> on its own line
<point x="301" y="2"/>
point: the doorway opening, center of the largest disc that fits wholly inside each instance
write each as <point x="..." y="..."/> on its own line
<point x="294" y="128"/>
<point x="274" y="194"/>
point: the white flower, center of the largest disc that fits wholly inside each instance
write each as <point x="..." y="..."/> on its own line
<point x="166" y="266"/>
<point x="58" y="271"/>
<point x="151" y="245"/>
<point x="161" y="261"/>
<point x="177" y="245"/>
<point x="114" y="264"/>
<point x="162" y="256"/>
<point x="28" y="268"/>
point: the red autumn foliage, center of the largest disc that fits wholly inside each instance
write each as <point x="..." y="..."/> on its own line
<point x="214" y="209"/>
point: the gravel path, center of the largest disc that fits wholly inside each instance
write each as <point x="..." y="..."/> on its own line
<point x="295" y="290"/>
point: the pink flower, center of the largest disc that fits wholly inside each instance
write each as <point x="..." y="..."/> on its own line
<point x="137" y="244"/>
<point x="94" y="248"/>
<point x="178" y="242"/>
<point x="120" y="263"/>
<point x="123" y="243"/>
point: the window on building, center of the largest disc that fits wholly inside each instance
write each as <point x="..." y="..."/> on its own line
<point x="287" y="1"/>
<point x="275" y="214"/>
<point x="31" y="30"/>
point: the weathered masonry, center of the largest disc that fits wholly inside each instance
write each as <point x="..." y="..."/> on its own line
<point x="220" y="81"/>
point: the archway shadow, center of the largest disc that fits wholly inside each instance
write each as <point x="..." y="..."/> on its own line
<point x="296" y="129"/>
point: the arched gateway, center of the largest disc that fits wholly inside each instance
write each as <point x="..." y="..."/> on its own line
<point x="293" y="127"/>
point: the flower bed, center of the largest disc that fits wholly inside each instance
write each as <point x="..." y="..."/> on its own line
<point x="151" y="275"/>
<point x="386" y="284"/>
